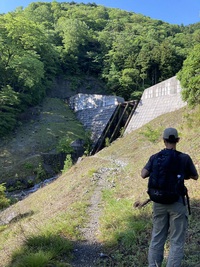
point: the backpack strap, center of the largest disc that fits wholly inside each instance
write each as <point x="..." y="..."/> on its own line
<point x="185" y="193"/>
<point x="188" y="200"/>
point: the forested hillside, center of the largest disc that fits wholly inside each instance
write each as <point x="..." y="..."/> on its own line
<point x="128" y="51"/>
<point x="88" y="212"/>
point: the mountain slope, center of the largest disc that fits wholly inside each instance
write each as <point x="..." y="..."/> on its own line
<point x="104" y="186"/>
<point x="34" y="146"/>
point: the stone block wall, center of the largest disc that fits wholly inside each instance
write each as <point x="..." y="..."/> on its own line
<point x="95" y="120"/>
<point x="94" y="111"/>
<point x="92" y="101"/>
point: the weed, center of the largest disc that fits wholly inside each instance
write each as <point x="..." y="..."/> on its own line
<point x="153" y="135"/>
<point x="28" y="165"/>
<point x="122" y="131"/>
<point x="40" y="251"/>
<point x="64" y="145"/>
<point x="27" y="258"/>
<point x="4" y="201"/>
<point x="67" y="164"/>
<point x="125" y="229"/>
<point x="107" y="142"/>
<point x="68" y="225"/>
<point x="88" y="143"/>
<point x="40" y="172"/>
<point x="2" y="227"/>
<point x="91" y="172"/>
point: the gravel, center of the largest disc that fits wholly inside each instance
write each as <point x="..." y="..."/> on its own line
<point x="89" y="252"/>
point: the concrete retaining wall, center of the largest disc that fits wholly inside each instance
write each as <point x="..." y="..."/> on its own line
<point x="156" y="100"/>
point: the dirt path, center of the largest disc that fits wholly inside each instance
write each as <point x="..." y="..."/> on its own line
<point x="89" y="252"/>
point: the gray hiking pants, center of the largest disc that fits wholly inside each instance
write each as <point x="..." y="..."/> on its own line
<point x="173" y="220"/>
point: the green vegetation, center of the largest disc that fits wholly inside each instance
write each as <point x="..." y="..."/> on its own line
<point x="128" y="52"/>
<point x="56" y="213"/>
<point x="190" y="77"/>
<point x="121" y="227"/>
<point x="152" y="135"/>
<point x="40" y="251"/>
<point x="64" y="145"/>
<point x="68" y="163"/>
<point x="35" y="144"/>
<point x="4" y="202"/>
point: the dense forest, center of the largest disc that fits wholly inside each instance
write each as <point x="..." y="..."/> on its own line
<point x="128" y="51"/>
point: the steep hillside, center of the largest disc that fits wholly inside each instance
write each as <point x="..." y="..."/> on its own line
<point x="88" y="212"/>
<point x="33" y="152"/>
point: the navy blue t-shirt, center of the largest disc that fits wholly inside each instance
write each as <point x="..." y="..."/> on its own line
<point x="187" y="168"/>
<point x="186" y="165"/>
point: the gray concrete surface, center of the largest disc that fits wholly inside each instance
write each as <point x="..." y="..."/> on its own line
<point x="156" y="100"/>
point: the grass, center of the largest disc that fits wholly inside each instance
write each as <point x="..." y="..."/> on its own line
<point x="21" y="152"/>
<point x="56" y="213"/>
<point x="42" y="250"/>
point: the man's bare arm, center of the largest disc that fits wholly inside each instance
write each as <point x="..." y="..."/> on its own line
<point x="144" y="173"/>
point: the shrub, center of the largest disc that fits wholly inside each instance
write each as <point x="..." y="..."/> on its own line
<point x="152" y="135"/>
<point x="4" y="201"/>
<point x="68" y="163"/>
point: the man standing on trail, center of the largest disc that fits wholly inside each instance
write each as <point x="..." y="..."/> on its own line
<point x="168" y="218"/>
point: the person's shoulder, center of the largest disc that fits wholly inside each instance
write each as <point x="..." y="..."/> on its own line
<point x="153" y="156"/>
<point x="185" y="158"/>
<point x="183" y="155"/>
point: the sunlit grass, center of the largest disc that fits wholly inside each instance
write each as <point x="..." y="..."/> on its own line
<point x="60" y="209"/>
<point x="124" y="229"/>
<point x="42" y="250"/>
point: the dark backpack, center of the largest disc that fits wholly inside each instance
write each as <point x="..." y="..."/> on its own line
<point x="166" y="183"/>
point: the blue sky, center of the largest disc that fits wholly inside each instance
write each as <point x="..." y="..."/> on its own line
<point x="172" y="11"/>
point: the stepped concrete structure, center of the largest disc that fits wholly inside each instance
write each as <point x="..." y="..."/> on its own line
<point x="94" y="111"/>
<point x="156" y="100"/>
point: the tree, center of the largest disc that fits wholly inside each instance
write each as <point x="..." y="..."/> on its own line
<point x="129" y="83"/>
<point x="189" y="77"/>
<point x="130" y="52"/>
<point x="81" y="48"/>
<point x="9" y="102"/>
<point x="112" y="78"/>
<point x="28" y="59"/>
<point x="170" y="61"/>
<point x="4" y="201"/>
<point x="41" y="13"/>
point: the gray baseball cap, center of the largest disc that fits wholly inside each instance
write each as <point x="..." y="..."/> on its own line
<point x="170" y="132"/>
